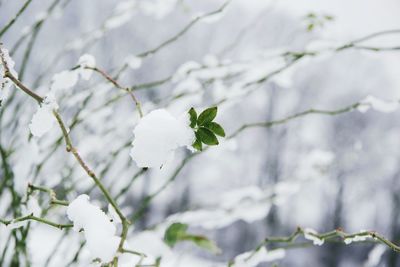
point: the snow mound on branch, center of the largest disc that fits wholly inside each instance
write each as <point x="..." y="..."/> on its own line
<point x="311" y="234"/>
<point x="157" y="136"/>
<point x="98" y="229"/>
<point x="5" y="83"/>
<point x="357" y="238"/>
<point x="254" y="258"/>
<point x="43" y="120"/>
<point x="86" y="61"/>
<point x="378" y="105"/>
<point x="68" y="78"/>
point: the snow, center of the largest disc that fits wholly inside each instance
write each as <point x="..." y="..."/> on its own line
<point x="134" y="62"/>
<point x="5" y="83"/>
<point x="25" y="158"/>
<point x="188" y="85"/>
<point x="4" y="88"/>
<point x="375" y="255"/>
<point x="32" y="207"/>
<point x="310" y="235"/>
<point x="112" y="213"/>
<point x="86" y="61"/>
<point x="64" y="80"/>
<point x="157" y="136"/>
<point x="184" y="69"/>
<point x="68" y="78"/>
<point x="157" y="8"/>
<point x="251" y="258"/>
<point x="357" y="238"/>
<point x="98" y="229"/>
<point x="117" y="21"/>
<point x="248" y="204"/>
<point x="378" y="105"/>
<point x="45" y="237"/>
<point x="223" y="193"/>
<point x="43" y="120"/>
<point x="315" y="164"/>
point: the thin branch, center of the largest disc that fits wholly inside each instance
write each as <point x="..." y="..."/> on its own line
<point x="174" y="38"/>
<point x="38" y="219"/>
<point x="133" y="252"/>
<point x="368" y="37"/>
<point x="14" y="19"/>
<point x="35" y="32"/>
<point x="53" y="197"/>
<point x="128" y="186"/>
<point x="376" y="49"/>
<point x="183" y="31"/>
<point x="330" y="236"/>
<point x="295" y="116"/>
<point x="151" y="84"/>
<point x="7" y="74"/>
<point x="117" y="85"/>
<point x="347" y="238"/>
<point x="146" y="202"/>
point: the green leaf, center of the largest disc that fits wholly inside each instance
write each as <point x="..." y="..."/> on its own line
<point x="215" y="128"/>
<point x="198" y="145"/>
<point x="193" y="117"/>
<point x="204" y="242"/>
<point x="207" y="116"/>
<point x="311" y="15"/>
<point x="207" y="137"/>
<point x="175" y="232"/>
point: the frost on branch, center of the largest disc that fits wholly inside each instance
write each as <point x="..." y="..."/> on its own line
<point x="311" y="234"/>
<point x="43" y="120"/>
<point x="157" y="136"/>
<point x="5" y="83"/>
<point x="98" y="229"/>
<point x="356" y="238"/>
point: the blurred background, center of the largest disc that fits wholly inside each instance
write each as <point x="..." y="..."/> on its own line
<point x="321" y="172"/>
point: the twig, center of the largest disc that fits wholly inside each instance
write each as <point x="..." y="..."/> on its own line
<point x="295" y="116"/>
<point x="172" y="39"/>
<point x="133" y="252"/>
<point x="367" y="37"/>
<point x="38" y="219"/>
<point x="51" y="192"/>
<point x="183" y="31"/>
<point x="117" y="85"/>
<point x="14" y="19"/>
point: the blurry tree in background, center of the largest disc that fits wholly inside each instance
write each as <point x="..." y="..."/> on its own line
<point x="199" y="133"/>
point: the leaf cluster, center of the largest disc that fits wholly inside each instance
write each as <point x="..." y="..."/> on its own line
<point x="206" y="130"/>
